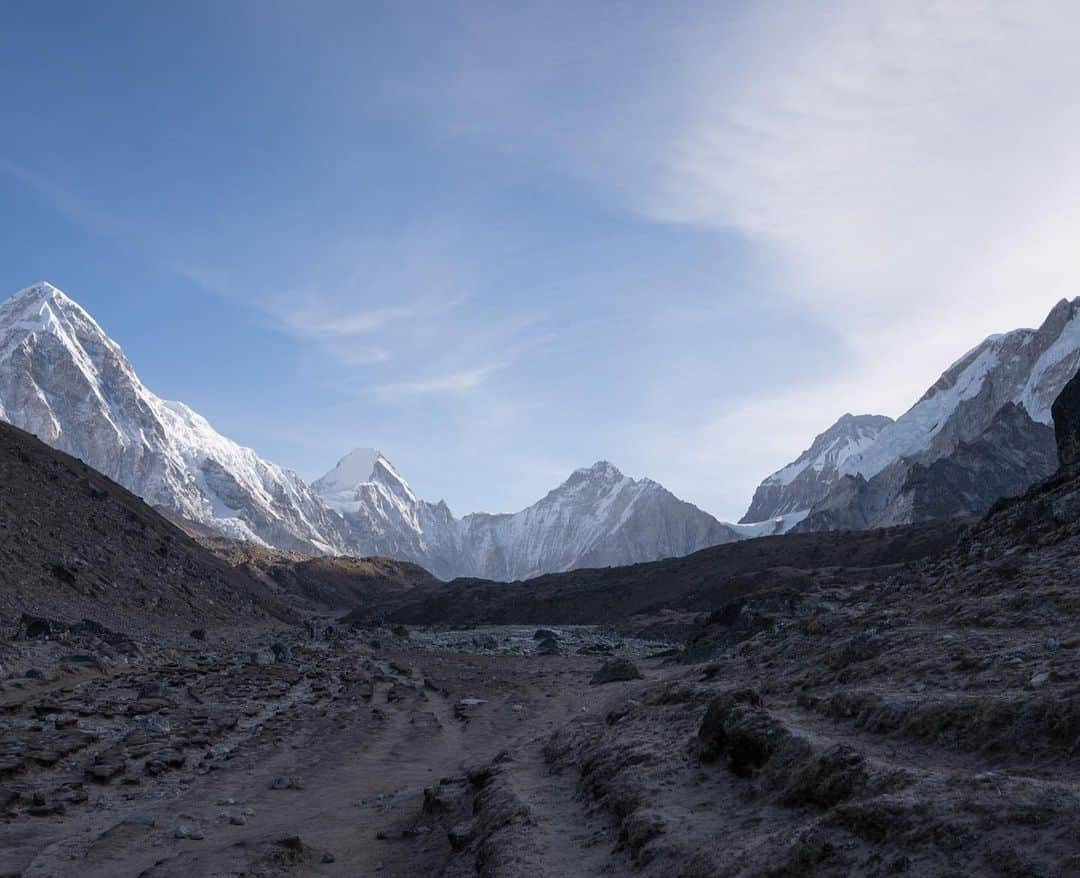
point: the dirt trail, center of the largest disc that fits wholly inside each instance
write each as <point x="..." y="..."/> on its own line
<point x="354" y="739"/>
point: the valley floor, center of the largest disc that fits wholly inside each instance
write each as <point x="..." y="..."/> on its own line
<point x="217" y="760"/>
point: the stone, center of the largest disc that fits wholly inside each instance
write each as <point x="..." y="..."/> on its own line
<point x="616" y="670"/>
<point x="548" y="646"/>
<point x="154" y="725"/>
<point x="260" y="657"/>
<point x="461" y="834"/>
<point x="545" y="634"/>
<point x="328" y="857"/>
<point x="198" y="634"/>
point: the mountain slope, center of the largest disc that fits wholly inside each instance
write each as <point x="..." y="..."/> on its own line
<point x="64" y="380"/>
<point x="807" y="479"/>
<point x="982" y="431"/>
<point x="75" y="545"/>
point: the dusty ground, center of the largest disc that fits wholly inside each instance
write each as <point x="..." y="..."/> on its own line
<point x="212" y="760"/>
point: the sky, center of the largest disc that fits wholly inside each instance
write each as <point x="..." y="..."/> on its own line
<point x="502" y="241"/>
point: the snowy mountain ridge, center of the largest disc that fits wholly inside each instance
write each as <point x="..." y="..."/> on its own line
<point x="597" y="517"/>
<point x="63" y="379"/>
<point x="1026" y="368"/>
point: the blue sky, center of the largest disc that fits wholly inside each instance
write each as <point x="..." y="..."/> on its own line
<point x="500" y="243"/>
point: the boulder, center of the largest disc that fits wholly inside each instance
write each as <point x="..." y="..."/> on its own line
<point x="616" y="671"/>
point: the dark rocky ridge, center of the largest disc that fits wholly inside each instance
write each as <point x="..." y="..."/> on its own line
<point x="698" y="582"/>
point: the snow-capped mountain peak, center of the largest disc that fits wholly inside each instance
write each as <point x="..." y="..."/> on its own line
<point x="807" y="479"/>
<point x="63" y="379"/>
<point x="352" y="470"/>
<point x="356" y="474"/>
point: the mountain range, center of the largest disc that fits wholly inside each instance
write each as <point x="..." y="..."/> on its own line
<point x="983" y="431"/>
<point x="64" y="380"/>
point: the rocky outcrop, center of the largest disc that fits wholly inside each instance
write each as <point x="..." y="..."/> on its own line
<point x="1066" y="412"/>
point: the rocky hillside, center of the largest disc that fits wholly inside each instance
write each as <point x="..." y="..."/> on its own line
<point x="75" y="545"/>
<point x="695" y="583"/>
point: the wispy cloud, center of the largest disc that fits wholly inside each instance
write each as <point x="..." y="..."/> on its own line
<point x="454" y="382"/>
<point x="67" y="202"/>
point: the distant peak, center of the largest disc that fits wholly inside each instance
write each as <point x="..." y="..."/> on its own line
<point x="359" y="467"/>
<point x="602" y="469"/>
<point x="43" y="291"/>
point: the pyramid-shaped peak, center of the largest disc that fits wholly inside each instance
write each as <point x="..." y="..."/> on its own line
<point x="44" y="303"/>
<point x="353" y="469"/>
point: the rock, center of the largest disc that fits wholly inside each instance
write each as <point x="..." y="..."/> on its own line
<point x="282" y="653"/>
<point x="34" y="674"/>
<point x="154" y="725"/>
<point x="615" y="671"/>
<point x="260" y="657"/>
<point x="545" y="634"/>
<point x="103" y="772"/>
<point x="548" y="646"/>
<point x="155" y="689"/>
<point x="461" y="834"/>
<point x="485" y="641"/>
<point x="1039" y="680"/>
<point x="290" y="842"/>
<point x="238" y="820"/>
<point x="400" y="631"/>
<point x="39" y="628"/>
<point x="198" y="634"/>
<point x="1053" y="644"/>
<point x="328" y="857"/>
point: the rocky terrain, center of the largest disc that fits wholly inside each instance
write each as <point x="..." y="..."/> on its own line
<point x="897" y="701"/>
